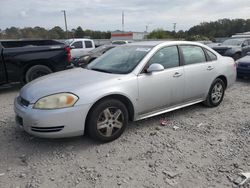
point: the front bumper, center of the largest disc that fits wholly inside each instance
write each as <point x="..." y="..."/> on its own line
<point x="243" y="72"/>
<point x="59" y="123"/>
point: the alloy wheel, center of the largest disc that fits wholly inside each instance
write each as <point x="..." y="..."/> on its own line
<point x="217" y="92"/>
<point x="110" y="121"/>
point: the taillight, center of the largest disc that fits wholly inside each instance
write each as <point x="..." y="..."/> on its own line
<point x="68" y="54"/>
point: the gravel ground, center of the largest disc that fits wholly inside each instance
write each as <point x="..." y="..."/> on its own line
<point x="199" y="147"/>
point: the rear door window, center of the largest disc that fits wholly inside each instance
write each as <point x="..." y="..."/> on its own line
<point x="211" y="55"/>
<point x="88" y="44"/>
<point x="193" y="54"/>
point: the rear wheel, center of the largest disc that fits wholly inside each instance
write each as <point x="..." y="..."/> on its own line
<point x="107" y="120"/>
<point x="36" y="72"/>
<point x="216" y="93"/>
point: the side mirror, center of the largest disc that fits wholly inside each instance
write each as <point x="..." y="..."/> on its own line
<point x="155" y="68"/>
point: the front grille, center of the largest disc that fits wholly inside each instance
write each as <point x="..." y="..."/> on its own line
<point x="243" y="65"/>
<point x="247" y="65"/>
<point x="47" y="129"/>
<point x="23" y="101"/>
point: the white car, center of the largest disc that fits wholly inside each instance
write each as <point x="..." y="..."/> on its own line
<point x="127" y="83"/>
<point x="80" y="47"/>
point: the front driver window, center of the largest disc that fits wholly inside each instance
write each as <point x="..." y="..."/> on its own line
<point x="77" y="44"/>
<point x="168" y="57"/>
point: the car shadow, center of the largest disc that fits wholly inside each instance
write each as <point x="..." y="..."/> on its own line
<point x="10" y="88"/>
<point x="244" y="80"/>
<point x="169" y="117"/>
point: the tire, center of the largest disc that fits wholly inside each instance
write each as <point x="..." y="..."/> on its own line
<point x="36" y="72"/>
<point x="215" y="94"/>
<point x="112" y="117"/>
<point x="236" y="56"/>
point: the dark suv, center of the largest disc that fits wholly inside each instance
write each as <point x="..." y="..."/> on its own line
<point x="232" y="47"/>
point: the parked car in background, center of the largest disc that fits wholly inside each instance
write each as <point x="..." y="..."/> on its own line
<point x="128" y="83"/>
<point x="213" y="44"/>
<point x="232" y="47"/>
<point x="243" y="66"/>
<point x="120" y="42"/>
<point x="91" y="55"/>
<point x="245" y="50"/>
<point x="206" y="42"/>
<point x="26" y="60"/>
<point x="80" y="47"/>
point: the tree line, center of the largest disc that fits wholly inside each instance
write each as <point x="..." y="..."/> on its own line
<point x="54" y="33"/>
<point x="203" y="31"/>
<point x="206" y="30"/>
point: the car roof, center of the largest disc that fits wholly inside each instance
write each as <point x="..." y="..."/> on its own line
<point x="155" y="43"/>
<point x="239" y="39"/>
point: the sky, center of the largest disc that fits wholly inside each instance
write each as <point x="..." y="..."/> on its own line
<point x="106" y="15"/>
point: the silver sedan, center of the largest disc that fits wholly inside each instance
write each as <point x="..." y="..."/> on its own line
<point x="128" y="83"/>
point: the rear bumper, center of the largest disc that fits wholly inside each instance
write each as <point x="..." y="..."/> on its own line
<point x="58" y="123"/>
<point x="243" y="72"/>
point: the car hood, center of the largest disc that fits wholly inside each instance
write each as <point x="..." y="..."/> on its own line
<point x="222" y="47"/>
<point x="64" y="81"/>
<point x="244" y="60"/>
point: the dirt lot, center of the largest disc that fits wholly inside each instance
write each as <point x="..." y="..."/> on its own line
<point x="199" y="147"/>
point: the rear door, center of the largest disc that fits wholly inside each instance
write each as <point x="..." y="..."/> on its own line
<point x="89" y="45"/>
<point x="199" y="72"/>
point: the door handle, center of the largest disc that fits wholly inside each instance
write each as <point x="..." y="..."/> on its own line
<point x="177" y="74"/>
<point x="210" y="68"/>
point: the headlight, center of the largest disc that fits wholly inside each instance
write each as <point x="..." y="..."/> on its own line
<point x="60" y="100"/>
<point x="86" y="57"/>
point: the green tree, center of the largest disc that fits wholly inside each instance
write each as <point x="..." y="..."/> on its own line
<point x="57" y="33"/>
<point x="79" y="33"/>
<point x="160" y="34"/>
<point x="12" y="33"/>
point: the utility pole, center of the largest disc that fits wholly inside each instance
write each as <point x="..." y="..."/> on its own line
<point x="174" y="26"/>
<point x="146" y="28"/>
<point x="122" y="21"/>
<point x="65" y="21"/>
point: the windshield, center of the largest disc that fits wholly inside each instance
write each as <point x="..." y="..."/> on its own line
<point x="68" y="42"/>
<point x="233" y="42"/>
<point x="120" y="60"/>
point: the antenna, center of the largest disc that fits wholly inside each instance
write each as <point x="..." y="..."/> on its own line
<point x="122" y="21"/>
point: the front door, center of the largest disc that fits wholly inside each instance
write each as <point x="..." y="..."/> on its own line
<point x="160" y="90"/>
<point x="78" y="49"/>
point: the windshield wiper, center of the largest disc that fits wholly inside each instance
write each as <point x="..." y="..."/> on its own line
<point x="100" y="70"/>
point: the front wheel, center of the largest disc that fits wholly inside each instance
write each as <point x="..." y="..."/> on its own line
<point x="107" y="120"/>
<point x="216" y="93"/>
